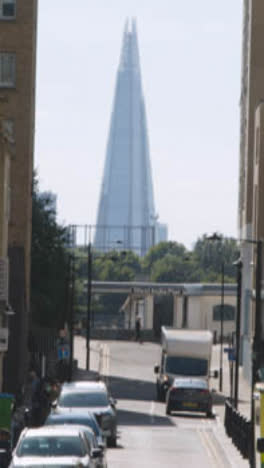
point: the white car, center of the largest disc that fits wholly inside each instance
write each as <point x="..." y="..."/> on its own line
<point x="89" y="396"/>
<point x="53" y="446"/>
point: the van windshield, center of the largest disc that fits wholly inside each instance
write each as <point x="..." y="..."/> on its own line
<point x="186" y="366"/>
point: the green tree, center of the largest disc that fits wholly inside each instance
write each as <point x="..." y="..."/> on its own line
<point x="212" y="254"/>
<point x="49" y="264"/>
<point x="160" y="250"/>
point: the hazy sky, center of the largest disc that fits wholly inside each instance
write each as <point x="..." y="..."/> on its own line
<point x="190" y="60"/>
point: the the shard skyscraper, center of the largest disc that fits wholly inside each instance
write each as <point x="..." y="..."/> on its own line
<point x="126" y="215"/>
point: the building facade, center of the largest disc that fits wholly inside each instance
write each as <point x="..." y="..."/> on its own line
<point x="6" y="152"/>
<point x="126" y="214"/>
<point x="252" y="93"/>
<point x="18" y="20"/>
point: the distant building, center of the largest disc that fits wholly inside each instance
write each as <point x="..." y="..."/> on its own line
<point x="161" y="233"/>
<point x="126" y="216"/>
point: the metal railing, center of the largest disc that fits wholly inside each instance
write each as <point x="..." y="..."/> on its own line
<point x="239" y="429"/>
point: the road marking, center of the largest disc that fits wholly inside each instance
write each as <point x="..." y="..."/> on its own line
<point x="151" y="412"/>
<point x="211" y="450"/>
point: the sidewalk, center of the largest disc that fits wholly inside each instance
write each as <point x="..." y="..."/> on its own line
<point x="244" y="392"/>
<point x="95" y="361"/>
<point x="244" y="406"/>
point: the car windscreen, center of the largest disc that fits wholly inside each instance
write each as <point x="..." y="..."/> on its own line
<point x="56" y="446"/>
<point x="186" y="366"/>
<point x="82" y="400"/>
<point x="90" y="422"/>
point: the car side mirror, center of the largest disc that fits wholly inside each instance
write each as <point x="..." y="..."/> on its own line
<point x="260" y="445"/>
<point x="96" y="452"/>
<point x="156" y="368"/>
<point x="112" y="401"/>
<point x="214" y="374"/>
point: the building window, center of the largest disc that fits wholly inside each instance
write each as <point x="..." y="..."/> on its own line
<point x="7" y="70"/>
<point x="228" y="313"/>
<point x="7" y="9"/>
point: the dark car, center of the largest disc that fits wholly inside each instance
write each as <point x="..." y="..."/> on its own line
<point x="87" y="420"/>
<point x="90" y="397"/>
<point x="186" y="394"/>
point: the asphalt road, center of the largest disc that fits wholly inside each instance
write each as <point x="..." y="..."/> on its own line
<point x="147" y="437"/>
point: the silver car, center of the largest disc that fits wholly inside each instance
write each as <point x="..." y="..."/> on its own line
<point x="187" y="394"/>
<point x="91" y="397"/>
<point x="86" y="421"/>
<point x="53" y="446"/>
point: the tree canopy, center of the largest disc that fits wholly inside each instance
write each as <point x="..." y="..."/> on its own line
<point x="49" y="263"/>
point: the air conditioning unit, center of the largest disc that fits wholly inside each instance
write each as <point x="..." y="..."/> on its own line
<point x="4" y="270"/>
<point x="3" y="339"/>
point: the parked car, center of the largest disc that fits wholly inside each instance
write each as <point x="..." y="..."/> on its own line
<point x="187" y="394"/>
<point x="91" y="397"/>
<point x="99" y="459"/>
<point x="53" y="446"/>
<point x="86" y="420"/>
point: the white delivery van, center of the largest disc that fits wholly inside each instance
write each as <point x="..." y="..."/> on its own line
<point x="184" y="353"/>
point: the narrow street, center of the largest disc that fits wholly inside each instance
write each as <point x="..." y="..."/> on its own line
<point x="147" y="437"/>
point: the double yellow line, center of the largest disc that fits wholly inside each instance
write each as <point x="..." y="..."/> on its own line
<point x="215" y="455"/>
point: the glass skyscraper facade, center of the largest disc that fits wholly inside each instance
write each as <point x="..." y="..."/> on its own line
<point x="126" y="214"/>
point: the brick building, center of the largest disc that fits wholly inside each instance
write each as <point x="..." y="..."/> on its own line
<point x="18" y="20"/>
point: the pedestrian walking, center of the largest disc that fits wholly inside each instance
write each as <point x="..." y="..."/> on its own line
<point x="138" y="327"/>
<point x="35" y="384"/>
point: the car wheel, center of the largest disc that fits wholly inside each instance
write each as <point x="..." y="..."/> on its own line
<point x="111" y="441"/>
<point x="209" y="414"/>
<point x="168" y="410"/>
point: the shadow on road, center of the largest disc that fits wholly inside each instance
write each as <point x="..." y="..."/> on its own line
<point x="219" y="399"/>
<point x="185" y="415"/>
<point x="131" y="389"/>
<point x="136" y="418"/>
<point x="82" y="374"/>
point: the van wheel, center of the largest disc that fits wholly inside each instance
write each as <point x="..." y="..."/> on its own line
<point x="209" y="414"/>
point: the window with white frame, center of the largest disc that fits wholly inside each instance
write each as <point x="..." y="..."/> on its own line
<point x="7" y="9"/>
<point x="7" y="70"/>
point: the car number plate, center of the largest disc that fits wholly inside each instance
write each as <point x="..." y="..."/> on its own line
<point x="190" y="404"/>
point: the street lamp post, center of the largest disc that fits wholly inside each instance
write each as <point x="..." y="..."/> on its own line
<point x="222" y="326"/>
<point x="218" y="238"/>
<point x="89" y="295"/>
<point x="238" y="264"/>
